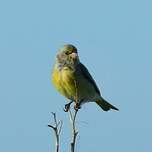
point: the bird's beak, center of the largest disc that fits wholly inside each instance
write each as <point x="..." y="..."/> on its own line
<point x="74" y="55"/>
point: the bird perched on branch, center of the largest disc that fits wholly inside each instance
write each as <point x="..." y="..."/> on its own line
<point x="72" y="79"/>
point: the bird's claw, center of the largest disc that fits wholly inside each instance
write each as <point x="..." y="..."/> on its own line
<point x="67" y="107"/>
<point x="77" y="106"/>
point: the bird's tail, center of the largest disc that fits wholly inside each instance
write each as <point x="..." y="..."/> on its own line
<point x="105" y="105"/>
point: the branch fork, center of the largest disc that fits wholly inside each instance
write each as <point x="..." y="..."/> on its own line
<point x="57" y="126"/>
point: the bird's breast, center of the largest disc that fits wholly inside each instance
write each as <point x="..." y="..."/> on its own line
<point x="63" y="80"/>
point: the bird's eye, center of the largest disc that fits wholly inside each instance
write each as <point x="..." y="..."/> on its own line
<point x="66" y="53"/>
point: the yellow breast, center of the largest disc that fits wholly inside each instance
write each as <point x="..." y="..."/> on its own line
<point x="63" y="80"/>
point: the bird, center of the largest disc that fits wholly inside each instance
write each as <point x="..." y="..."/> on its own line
<point x="73" y="80"/>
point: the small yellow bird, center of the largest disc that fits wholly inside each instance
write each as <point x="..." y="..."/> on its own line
<point x="72" y="79"/>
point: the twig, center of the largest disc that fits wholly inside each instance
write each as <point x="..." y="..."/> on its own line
<point x="57" y="130"/>
<point x="73" y="122"/>
<point x="73" y="129"/>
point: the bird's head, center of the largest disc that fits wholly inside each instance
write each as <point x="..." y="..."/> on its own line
<point x="67" y="55"/>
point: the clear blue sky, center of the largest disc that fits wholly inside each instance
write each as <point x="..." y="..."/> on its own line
<point x="114" y="39"/>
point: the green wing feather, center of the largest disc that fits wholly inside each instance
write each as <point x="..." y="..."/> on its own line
<point x="88" y="76"/>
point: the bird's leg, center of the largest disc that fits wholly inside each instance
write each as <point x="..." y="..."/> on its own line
<point x="77" y="106"/>
<point x="67" y="106"/>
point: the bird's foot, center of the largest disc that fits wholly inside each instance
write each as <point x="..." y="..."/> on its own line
<point x="67" y="106"/>
<point x="77" y="106"/>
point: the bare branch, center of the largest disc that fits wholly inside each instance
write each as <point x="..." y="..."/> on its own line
<point x="51" y="126"/>
<point x="72" y="117"/>
<point x="57" y="130"/>
<point x="73" y="129"/>
<point x="60" y="127"/>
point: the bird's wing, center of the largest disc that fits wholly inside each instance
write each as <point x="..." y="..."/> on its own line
<point x="88" y="76"/>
